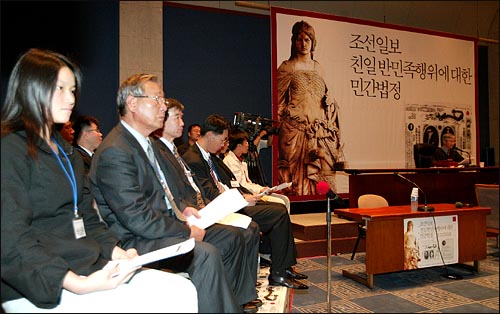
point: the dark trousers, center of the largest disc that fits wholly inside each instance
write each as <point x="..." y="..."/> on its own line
<point x="239" y="257"/>
<point x="274" y="223"/>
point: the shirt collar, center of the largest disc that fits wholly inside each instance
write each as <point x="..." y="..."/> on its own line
<point x="90" y="153"/>
<point x="205" y="154"/>
<point x="169" y="144"/>
<point x="143" y="141"/>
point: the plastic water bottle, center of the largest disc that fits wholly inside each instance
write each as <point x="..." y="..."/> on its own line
<point x="414" y="200"/>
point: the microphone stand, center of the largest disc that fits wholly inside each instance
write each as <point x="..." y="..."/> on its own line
<point x="424" y="208"/>
<point x="329" y="251"/>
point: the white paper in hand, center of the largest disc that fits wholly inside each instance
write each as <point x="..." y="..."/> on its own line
<point x="164" y="253"/>
<point x="169" y="251"/>
<point x="276" y="188"/>
<point x="226" y="203"/>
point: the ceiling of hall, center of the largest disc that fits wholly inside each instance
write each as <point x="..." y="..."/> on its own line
<point x="472" y="18"/>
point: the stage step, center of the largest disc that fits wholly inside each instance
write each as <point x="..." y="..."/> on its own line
<point x="310" y="234"/>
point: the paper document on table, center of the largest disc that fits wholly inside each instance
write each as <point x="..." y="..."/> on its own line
<point x="236" y="220"/>
<point x="226" y="203"/>
<point x="167" y="252"/>
<point x="276" y="188"/>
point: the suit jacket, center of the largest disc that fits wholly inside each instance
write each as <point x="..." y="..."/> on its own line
<point x="199" y="165"/>
<point x="440" y="154"/>
<point x="87" y="159"/>
<point x="129" y="196"/>
<point x="184" y="195"/>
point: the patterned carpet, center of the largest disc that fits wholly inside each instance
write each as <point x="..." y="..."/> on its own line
<point x="418" y="291"/>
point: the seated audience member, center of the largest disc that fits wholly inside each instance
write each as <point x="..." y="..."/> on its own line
<point x="54" y="249"/>
<point x="448" y="152"/>
<point x="134" y="197"/>
<point x="238" y="146"/>
<point x="265" y="246"/>
<point x="187" y="192"/>
<point x="272" y="218"/>
<point x="67" y="131"/>
<point x="87" y="138"/>
<point x="193" y="135"/>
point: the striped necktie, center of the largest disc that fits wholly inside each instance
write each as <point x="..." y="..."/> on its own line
<point x="214" y="175"/>
<point x="189" y="175"/>
<point x="161" y="178"/>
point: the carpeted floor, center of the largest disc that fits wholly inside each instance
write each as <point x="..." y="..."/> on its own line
<point x="418" y="291"/>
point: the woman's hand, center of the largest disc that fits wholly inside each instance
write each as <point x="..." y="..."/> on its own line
<point x="104" y="279"/>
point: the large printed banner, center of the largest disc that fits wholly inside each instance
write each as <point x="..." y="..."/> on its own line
<point x="357" y="94"/>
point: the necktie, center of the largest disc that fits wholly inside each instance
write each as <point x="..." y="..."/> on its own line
<point x="199" y="199"/>
<point x="161" y="178"/>
<point x="214" y="176"/>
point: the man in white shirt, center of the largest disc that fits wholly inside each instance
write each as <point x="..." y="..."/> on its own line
<point x="238" y="146"/>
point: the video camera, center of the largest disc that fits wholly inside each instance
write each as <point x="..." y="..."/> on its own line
<point x="253" y="124"/>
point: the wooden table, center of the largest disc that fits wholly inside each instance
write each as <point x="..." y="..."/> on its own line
<point x="385" y="231"/>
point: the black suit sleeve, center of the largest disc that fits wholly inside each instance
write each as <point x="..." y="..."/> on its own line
<point x="201" y="170"/>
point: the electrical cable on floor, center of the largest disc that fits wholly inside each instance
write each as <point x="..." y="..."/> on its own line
<point x="447" y="274"/>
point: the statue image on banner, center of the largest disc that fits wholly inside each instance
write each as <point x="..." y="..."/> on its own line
<point x="309" y="145"/>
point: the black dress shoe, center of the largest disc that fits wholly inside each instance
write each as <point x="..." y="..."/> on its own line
<point x="256" y="302"/>
<point x="286" y="282"/>
<point x="250" y="308"/>
<point x="291" y="273"/>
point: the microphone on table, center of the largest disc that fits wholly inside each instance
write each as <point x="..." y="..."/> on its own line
<point x="424" y="208"/>
<point x="460" y="205"/>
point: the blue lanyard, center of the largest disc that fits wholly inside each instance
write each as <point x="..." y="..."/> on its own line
<point x="71" y="178"/>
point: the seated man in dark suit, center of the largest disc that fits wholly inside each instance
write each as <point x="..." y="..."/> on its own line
<point x="273" y="218"/>
<point x="187" y="191"/>
<point x="135" y="200"/>
<point x="448" y="152"/>
<point x="87" y="138"/>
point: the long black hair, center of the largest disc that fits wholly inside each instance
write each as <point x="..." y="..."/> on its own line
<point x="29" y="94"/>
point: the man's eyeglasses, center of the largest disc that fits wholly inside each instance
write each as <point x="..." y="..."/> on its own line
<point x="93" y="130"/>
<point x="159" y="100"/>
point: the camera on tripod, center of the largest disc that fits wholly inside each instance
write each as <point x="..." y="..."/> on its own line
<point x="253" y="124"/>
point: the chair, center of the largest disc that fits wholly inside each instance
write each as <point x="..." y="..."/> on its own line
<point x="487" y="195"/>
<point x="367" y="201"/>
<point x="423" y="155"/>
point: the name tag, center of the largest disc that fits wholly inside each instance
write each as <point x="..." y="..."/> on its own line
<point x="78" y="228"/>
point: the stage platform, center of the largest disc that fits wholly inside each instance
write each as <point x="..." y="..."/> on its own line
<point x="310" y="234"/>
